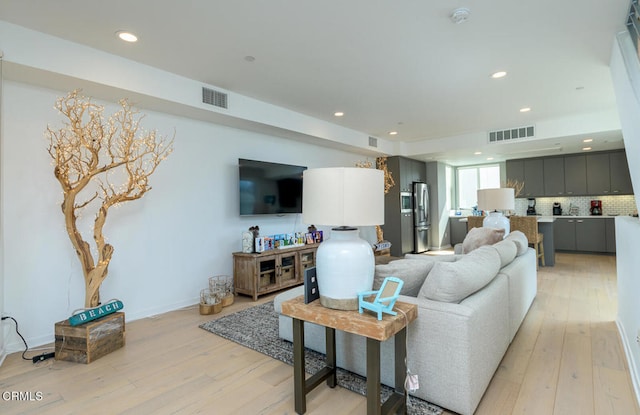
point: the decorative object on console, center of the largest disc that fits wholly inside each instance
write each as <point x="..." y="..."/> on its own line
<point x="384" y="300"/>
<point x="247" y="242"/>
<point x="494" y="201"/>
<point x="344" y="197"/>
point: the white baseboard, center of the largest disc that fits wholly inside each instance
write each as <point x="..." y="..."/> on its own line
<point x="635" y="378"/>
<point x="16" y="344"/>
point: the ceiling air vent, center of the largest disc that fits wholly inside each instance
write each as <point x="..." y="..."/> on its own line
<point x="213" y="97"/>
<point x="518" y="133"/>
<point x="373" y="142"/>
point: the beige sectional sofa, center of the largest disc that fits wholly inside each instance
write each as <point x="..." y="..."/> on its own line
<point x="469" y="309"/>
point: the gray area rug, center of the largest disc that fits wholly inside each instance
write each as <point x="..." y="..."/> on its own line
<point x="257" y="329"/>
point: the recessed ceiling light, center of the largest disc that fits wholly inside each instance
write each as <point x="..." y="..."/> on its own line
<point x="525" y="109"/>
<point x="489" y="158"/>
<point x="393" y="133"/>
<point x="338" y="114"/>
<point x="586" y="148"/>
<point x="587" y="140"/>
<point x="477" y="153"/>
<point x="499" y="74"/>
<point x="127" y="36"/>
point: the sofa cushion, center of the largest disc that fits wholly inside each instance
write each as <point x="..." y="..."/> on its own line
<point x="452" y="282"/>
<point x="433" y="258"/>
<point x="412" y="272"/>
<point x="520" y="239"/>
<point x="478" y="237"/>
<point x="507" y="250"/>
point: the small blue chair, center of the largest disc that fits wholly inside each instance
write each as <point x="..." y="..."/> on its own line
<point x="385" y="298"/>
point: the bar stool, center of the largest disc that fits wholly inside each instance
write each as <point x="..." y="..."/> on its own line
<point x="474" y="222"/>
<point x="529" y="226"/>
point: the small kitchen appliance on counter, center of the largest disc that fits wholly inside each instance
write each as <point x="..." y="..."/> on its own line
<point x="557" y="209"/>
<point x="531" y="210"/>
<point x="596" y="207"/>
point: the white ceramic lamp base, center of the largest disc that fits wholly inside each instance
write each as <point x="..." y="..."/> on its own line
<point x="345" y="265"/>
<point x="496" y="219"/>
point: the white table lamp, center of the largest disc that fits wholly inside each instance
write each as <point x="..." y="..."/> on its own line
<point x="493" y="201"/>
<point x="344" y="197"/>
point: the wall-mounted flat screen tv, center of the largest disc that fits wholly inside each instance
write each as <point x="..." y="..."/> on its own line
<point x="269" y="188"/>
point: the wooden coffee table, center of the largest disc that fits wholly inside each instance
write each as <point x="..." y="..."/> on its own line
<point x="367" y="325"/>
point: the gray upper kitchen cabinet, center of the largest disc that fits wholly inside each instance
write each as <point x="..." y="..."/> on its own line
<point x="575" y="175"/>
<point x="592" y="174"/>
<point x="620" y="177"/>
<point x="529" y="172"/>
<point x="533" y="177"/>
<point x="598" y="175"/>
<point x="554" y="176"/>
<point x="590" y="235"/>
<point x="515" y="171"/>
<point x="406" y="171"/>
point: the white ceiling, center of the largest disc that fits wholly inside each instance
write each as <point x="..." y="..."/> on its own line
<point x="389" y="65"/>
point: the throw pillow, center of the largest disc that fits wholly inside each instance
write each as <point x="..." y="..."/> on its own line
<point x="507" y="250"/>
<point x="520" y="239"/>
<point x="452" y="282"/>
<point x="412" y="272"/>
<point x="478" y="237"/>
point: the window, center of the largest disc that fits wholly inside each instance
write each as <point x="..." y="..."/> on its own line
<point x="472" y="178"/>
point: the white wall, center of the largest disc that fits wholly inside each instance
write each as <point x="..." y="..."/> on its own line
<point x="625" y="70"/>
<point x="2" y="290"/>
<point x="166" y="244"/>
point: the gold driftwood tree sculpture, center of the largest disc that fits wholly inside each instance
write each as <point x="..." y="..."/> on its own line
<point x="381" y="164"/>
<point x="102" y="161"/>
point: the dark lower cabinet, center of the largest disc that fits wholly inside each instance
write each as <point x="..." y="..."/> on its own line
<point x="457" y="230"/>
<point x="564" y="234"/>
<point x="610" y="232"/>
<point x="406" y="224"/>
<point x="584" y="234"/>
<point x="590" y="235"/>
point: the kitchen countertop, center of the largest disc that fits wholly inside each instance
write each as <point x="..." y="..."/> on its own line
<point x="550" y="218"/>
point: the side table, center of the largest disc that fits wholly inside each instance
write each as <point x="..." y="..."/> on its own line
<point x="367" y="325"/>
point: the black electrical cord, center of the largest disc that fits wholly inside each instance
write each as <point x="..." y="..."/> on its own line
<point x="23" y="340"/>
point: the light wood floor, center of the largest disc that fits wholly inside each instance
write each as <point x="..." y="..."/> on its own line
<point x="566" y="359"/>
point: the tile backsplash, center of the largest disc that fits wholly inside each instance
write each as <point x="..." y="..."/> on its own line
<point x="611" y="205"/>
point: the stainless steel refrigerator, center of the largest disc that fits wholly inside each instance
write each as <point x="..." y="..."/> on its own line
<point x="421" y="217"/>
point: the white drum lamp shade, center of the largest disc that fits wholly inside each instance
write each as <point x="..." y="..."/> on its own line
<point x="343" y="197"/>
<point x="493" y="201"/>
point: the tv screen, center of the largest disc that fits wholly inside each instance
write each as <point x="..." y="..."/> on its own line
<point x="269" y="188"/>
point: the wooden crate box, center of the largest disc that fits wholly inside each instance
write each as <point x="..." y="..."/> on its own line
<point x="90" y="341"/>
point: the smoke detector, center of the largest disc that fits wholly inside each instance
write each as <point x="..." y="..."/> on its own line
<point x="460" y="15"/>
